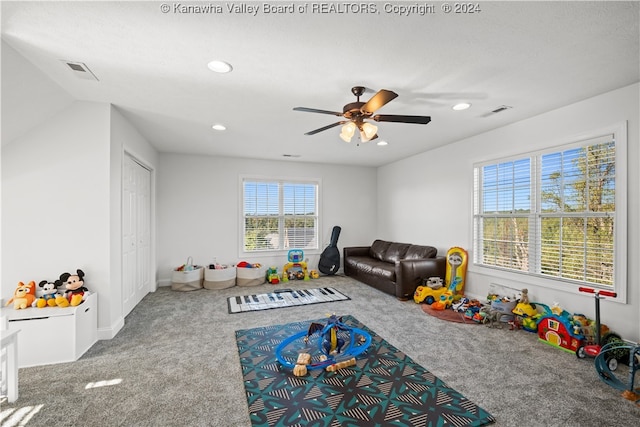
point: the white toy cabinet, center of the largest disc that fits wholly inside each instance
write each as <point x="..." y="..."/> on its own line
<point x="53" y="334"/>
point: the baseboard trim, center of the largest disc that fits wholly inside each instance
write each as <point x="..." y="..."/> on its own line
<point x="112" y="331"/>
<point x="164" y="282"/>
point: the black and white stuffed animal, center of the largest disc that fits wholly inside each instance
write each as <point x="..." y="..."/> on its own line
<point x="46" y="294"/>
<point x="74" y="284"/>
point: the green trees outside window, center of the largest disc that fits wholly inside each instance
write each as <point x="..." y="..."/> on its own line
<point x="279" y="215"/>
<point x="552" y="214"/>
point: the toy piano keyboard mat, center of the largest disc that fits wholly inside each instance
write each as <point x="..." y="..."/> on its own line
<point x="284" y="298"/>
<point x="385" y="387"/>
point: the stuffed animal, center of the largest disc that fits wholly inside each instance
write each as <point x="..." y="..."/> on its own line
<point x="75" y="290"/>
<point x="46" y="294"/>
<point x="23" y="296"/>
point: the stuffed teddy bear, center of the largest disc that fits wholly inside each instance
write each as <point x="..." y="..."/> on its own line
<point x="23" y="296"/>
<point x="46" y="294"/>
<point x="75" y="291"/>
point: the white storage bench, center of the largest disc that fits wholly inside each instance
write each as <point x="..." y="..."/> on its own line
<point x="54" y="334"/>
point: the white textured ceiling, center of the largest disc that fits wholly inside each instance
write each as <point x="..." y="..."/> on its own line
<point x="533" y="56"/>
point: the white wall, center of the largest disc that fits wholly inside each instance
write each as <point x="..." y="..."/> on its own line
<point x="198" y="207"/>
<point x="55" y="200"/>
<point x="438" y="187"/>
<point x="29" y="96"/>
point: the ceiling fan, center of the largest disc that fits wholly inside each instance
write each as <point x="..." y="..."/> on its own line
<point x="357" y="112"/>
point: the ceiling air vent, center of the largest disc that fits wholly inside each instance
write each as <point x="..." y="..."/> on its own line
<point x="500" y="109"/>
<point x="81" y="70"/>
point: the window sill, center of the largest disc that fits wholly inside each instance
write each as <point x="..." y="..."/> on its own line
<point x="277" y="253"/>
<point x="524" y="280"/>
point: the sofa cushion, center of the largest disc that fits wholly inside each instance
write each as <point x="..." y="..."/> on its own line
<point x="395" y="252"/>
<point x="385" y="270"/>
<point x="379" y="249"/>
<point x="420" y="252"/>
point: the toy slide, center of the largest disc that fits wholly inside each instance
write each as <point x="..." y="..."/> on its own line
<point x="456" y="268"/>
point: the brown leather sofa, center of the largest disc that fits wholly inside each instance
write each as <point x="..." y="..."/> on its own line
<point x="395" y="268"/>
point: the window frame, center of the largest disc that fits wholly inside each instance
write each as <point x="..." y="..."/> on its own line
<point x="280" y="181"/>
<point x="533" y="277"/>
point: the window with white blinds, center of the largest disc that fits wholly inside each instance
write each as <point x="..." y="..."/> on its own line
<point x="554" y="214"/>
<point x="279" y="215"/>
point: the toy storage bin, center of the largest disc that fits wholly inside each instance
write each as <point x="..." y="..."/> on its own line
<point x="506" y="308"/>
<point x="54" y="334"/>
<point x="507" y="305"/>
<point x="190" y="278"/>
<point x="219" y="278"/>
<point x="251" y="276"/>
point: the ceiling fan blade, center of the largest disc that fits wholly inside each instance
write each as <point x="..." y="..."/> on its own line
<point x="421" y="120"/>
<point x="315" y="110"/>
<point x="313" y="132"/>
<point x="378" y="100"/>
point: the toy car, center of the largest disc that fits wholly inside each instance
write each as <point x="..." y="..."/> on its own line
<point x="272" y="276"/>
<point x="430" y="291"/>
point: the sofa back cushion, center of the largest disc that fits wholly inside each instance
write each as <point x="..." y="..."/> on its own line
<point x="379" y="249"/>
<point x="420" y="252"/>
<point x="395" y="252"/>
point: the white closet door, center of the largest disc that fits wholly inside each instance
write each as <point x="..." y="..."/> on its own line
<point x="136" y="233"/>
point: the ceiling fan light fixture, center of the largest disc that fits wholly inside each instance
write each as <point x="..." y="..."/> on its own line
<point x="369" y="131"/>
<point x="365" y="138"/>
<point x="348" y="131"/>
<point x="382" y="143"/>
<point x="220" y="66"/>
<point x="345" y="137"/>
<point x="357" y="112"/>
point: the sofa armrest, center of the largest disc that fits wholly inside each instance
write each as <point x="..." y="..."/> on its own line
<point x="356" y="251"/>
<point x="411" y="272"/>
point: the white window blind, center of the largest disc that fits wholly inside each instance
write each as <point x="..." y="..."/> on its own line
<point x="279" y="215"/>
<point x="551" y="214"/>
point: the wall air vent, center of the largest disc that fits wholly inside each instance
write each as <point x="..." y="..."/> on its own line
<point x="500" y="109"/>
<point x="80" y="70"/>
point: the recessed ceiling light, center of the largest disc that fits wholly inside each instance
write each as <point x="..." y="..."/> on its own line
<point x="461" y="106"/>
<point x="381" y="143"/>
<point x="220" y="66"/>
<point x="218" y="127"/>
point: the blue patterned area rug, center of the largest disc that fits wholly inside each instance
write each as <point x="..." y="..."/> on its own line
<point x="385" y="387"/>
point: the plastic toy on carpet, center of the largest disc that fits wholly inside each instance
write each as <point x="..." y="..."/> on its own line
<point x="338" y="347"/>
<point x="594" y="348"/>
<point x="296" y="268"/>
<point x="613" y="350"/>
<point x="456" y="269"/>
